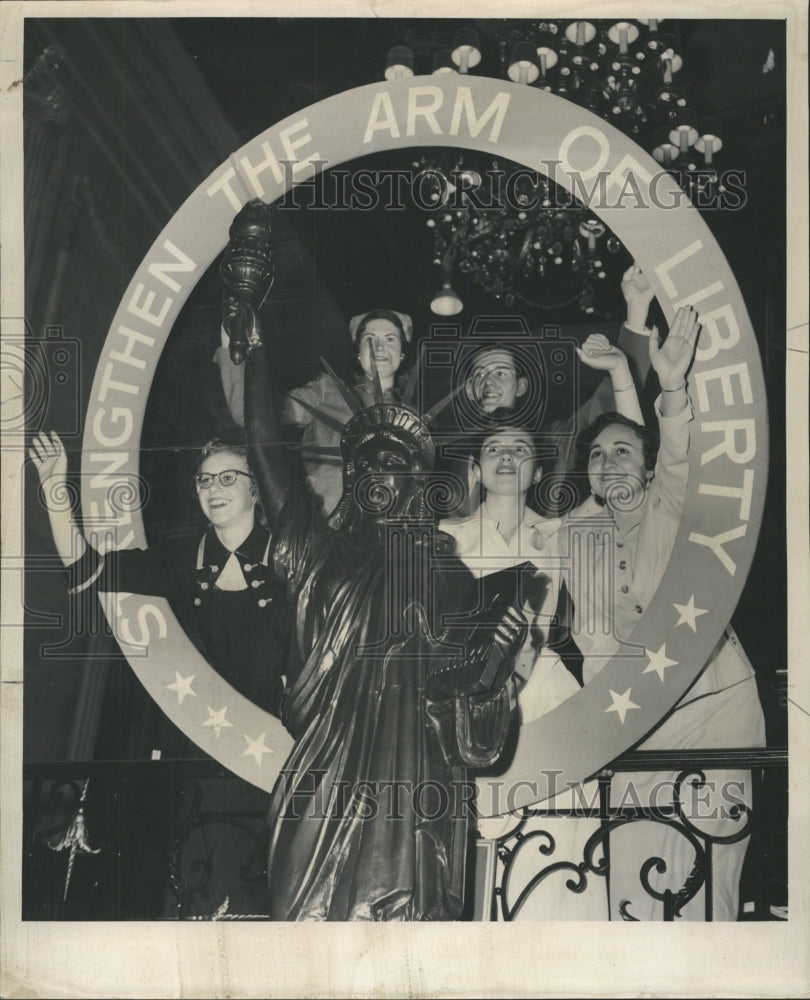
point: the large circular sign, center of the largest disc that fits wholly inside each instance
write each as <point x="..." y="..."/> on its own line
<point x="728" y="452"/>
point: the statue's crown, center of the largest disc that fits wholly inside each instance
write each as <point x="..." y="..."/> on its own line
<point x="387" y="419"/>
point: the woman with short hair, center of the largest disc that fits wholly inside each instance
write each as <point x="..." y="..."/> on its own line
<point x="221" y="581"/>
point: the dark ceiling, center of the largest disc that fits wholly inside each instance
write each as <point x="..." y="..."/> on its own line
<point x="262" y="70"/>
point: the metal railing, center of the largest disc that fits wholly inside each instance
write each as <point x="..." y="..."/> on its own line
<point x="499" y="896"/>
<point x="87" y="828"/>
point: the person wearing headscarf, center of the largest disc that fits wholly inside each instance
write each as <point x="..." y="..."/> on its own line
<point x="319" y="409"/>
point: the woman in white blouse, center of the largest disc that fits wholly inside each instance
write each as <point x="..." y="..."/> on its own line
<point x="628" y="528"/>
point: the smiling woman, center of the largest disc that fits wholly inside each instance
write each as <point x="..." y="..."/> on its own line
<point x="621" y="451"/>
<point x="381" y="338"/>
<point x="223" y="577"/>
<point x="226" y="489"/>
<point x="628" y="530"/>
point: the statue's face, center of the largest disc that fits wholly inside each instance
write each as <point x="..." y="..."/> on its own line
<point x="386" y="477"/>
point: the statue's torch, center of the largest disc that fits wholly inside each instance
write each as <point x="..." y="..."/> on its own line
<point x="247" y="270"/>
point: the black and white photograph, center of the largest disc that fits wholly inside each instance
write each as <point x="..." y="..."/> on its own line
<point x="404" y="428"/>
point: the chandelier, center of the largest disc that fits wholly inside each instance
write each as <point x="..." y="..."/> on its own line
<point x="627" y="72"/>
<point x="511" y="232"/>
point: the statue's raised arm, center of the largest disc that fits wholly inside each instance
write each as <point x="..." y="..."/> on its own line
<point x="247" y="271"/>
<point x="268" y="459"/>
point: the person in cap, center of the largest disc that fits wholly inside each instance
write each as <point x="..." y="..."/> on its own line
<point x="319" y="409"/>
<point x="369" y="816"/>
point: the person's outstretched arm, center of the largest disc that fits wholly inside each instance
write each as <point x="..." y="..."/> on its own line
<point x="597" y="352"/>
<point x="232" y="378"/>
<point x="633" y="345"/>
<point x="157" y="570"/>
<point x="638" y="295"/>
<point x="671" y="362"/>
<point x="634" y="331"/>
<point x="268" y="459"/>
<point x="673" y="359"/>
<point x="632" y="342"/>
<point x="50" y="460"/>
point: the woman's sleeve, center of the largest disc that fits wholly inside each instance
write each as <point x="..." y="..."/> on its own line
<point x="549" y="685"/>
<point x="635" y="347"/>
<point x="668" y="487"/>
<point x="294" y="411"/>
<point x="233" y="384"/>
<point x="163" y="570"/>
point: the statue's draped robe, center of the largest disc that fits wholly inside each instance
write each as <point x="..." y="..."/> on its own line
<point x="367" y="821"/>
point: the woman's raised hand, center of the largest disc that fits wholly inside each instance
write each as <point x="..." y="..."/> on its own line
<point x="671" y="360"/>
<point x="50" y="460"/>
<point x="597" y="352"/>
<point x="638" y="295"/>
<point x="49" y="456"/>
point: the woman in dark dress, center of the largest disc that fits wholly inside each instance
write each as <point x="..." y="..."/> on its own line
<point x="221" y="581"/>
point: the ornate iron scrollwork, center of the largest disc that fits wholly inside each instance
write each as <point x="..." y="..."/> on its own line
<point x="512" y="844"/>
<point x="191" y="861"/>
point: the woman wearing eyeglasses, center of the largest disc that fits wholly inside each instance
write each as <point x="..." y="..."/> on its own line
<point x="221" y="579"/>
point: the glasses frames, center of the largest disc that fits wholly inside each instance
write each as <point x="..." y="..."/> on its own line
<point x="228" y="477"/>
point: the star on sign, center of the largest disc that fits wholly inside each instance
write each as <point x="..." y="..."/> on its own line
<point x="688" y="613"/>
<point x="621" y="704"/>
<point x="658" y="662"/>
<point x="256" y="749"/>
<point x="217" y="720"/>
<point x="182" y="685"/>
